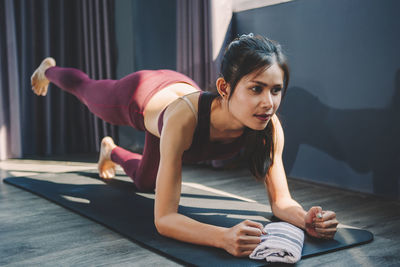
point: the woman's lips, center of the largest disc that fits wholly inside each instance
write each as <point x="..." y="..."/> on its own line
<point x="263" y="117"/>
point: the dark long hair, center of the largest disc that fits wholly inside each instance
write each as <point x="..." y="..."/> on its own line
<point x="244" y="55"/>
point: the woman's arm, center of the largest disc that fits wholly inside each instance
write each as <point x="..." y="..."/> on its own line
<point x="284" y="206"/>
<point x="176" y="137"/>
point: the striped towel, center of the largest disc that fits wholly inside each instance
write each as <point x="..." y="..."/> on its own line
<point x="282" y="243"/>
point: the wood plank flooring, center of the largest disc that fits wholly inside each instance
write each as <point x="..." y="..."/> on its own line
<point x="34" y="231"/>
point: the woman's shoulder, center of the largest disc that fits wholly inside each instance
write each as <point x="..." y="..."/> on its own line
<point x="182" y="113"/>
<point x="278" y="136"/>
<point x="184" y="104"/>
<point x="180" y="123"/>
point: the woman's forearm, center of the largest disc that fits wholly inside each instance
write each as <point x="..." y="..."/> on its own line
<point x="180" y="227"/>
<point x="290" y="211"/>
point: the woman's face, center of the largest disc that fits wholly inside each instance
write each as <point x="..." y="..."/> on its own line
<point x="257" y="97"/>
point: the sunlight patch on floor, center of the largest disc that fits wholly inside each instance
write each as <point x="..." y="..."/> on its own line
<point x="76" y="199"/>
<point x="41" y="167"/>
<point x="216" y="191"/>
<point x="21" y="174"/>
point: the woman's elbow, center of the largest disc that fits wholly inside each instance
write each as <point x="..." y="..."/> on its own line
<point x="161" y="225"/>
<point x="274" y="209"/>
<point x="278" y="206"/>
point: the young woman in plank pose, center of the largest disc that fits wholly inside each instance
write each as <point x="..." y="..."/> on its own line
<point x="184" y="124"/>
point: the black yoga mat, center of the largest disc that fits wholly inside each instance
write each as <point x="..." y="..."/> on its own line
<point x="116" y="204"/>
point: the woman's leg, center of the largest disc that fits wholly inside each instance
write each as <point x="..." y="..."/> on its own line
<point x="142" y="169"/>
<point x="108" y="99"/>
<point x="105" y="98"/>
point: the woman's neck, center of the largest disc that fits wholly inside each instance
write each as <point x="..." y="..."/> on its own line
<point x="223" y="126"/>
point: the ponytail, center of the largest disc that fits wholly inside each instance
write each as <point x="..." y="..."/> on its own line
<point x="259" y="150"/>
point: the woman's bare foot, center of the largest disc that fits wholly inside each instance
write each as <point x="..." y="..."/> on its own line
<point x="38" y="80"/>
<point x="105" y="166"/>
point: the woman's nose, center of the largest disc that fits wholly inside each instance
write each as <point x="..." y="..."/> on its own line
<point x="267" y="101"/>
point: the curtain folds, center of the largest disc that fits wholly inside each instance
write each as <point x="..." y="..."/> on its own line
<point x="194" y="54"/>
<point x="204" y="28"/>
<point x="77" y="34"/>
<point x="10" y="126"/>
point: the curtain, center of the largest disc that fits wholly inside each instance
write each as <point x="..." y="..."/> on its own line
<point x="194" y="55"/>
<point x="10" y="126"/>
<point x="204" y="28"/>
<point x="77" y="34"/>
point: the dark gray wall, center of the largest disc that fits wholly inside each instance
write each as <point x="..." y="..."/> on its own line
<point x="342" y="112"/>
<point x="146" y="39"/>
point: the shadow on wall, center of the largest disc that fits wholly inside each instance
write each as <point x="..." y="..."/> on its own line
<point x="368" y="140"/>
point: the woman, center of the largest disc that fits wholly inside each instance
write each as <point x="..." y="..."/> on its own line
<point x="184" y="124"/>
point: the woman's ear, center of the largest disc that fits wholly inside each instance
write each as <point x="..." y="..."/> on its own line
<point x="223" y="87"/>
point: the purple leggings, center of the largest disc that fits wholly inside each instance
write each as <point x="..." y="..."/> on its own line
<point x="121" y="102"/>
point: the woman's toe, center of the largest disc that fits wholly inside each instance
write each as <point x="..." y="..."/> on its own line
<point x="44" y="91"/>
<point x="110" y="173"/>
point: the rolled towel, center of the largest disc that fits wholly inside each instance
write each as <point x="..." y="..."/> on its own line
<point x="282" y="243"/>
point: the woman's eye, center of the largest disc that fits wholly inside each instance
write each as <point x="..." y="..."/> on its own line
<point x="256" y="89"/>
<point x="276" y="90"/>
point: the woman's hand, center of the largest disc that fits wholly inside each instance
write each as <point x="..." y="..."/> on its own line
<point x="320" y="223"/>
<point x="241" y="239"/>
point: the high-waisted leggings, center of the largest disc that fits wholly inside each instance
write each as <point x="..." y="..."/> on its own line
<point x="121" y="102"/>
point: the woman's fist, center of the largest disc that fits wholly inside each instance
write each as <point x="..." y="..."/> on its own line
<point x="241" y="239"/>
<point x="320" y="223"/>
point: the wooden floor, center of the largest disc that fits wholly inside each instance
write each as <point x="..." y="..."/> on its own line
<point x="34" y="231"/>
